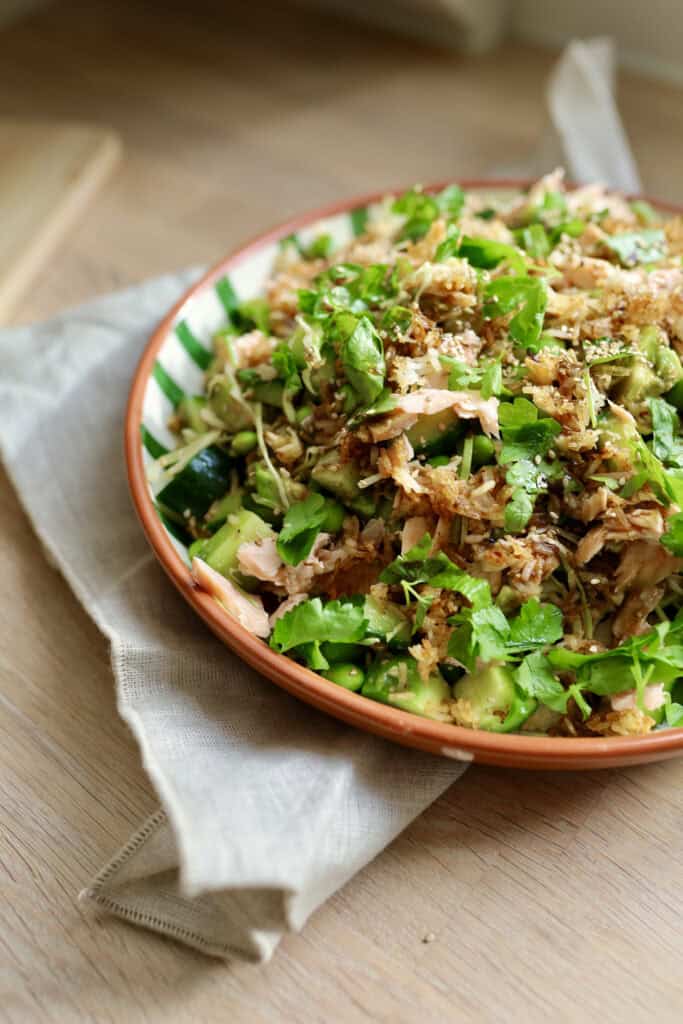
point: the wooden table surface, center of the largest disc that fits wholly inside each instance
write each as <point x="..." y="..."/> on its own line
<point x="548" y="895"/>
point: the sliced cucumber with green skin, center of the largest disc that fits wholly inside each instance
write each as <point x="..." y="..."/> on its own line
<point x="397" y="681"/>
<point x="494" y="702"/>
<point x="437" y="434"/>
<point x="194" y="489"/>
<point x="220" y="551"/>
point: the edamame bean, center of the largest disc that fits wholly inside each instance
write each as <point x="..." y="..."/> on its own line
<point x="351" y="677"/>
<point x="243" y="443"/>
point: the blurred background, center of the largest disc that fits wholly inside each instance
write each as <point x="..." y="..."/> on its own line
<point x="234" y="115"/>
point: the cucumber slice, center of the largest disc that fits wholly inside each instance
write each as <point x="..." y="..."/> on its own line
<point x="205" y="478"/>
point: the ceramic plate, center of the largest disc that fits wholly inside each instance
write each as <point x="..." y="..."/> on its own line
<point x="173" y="364"/>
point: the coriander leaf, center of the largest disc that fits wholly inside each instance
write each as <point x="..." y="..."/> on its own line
<point x="535" y="678"/>
<point x="418" y="566"/>
<point x="485" y="253"/>
<point x="536" y="625"/>
<point x="518" y="510"/>
<point x="419" y="210"/>
<point x="534" y="240"/>
<point x="491" y="631"/>
<point x="527" y="295"/>
<point x="301" y="526"/>
<point x="450" y="245"/>
<point x="486" y="377"/>
<point x="632" y="247"/>
<point x="477" y="591"/>
<point x="397" y="318"/>
<point x="312" y="623"/>
<point x="666" y="444"/>
<point x="451" y="201"/>
<point x="517" y="413"/>
<point x="320" y="248"/>
<point x="529" y="440"/>
<point x="362" y="357"/>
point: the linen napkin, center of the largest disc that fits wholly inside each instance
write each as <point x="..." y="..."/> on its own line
<point x="269" y="806"/>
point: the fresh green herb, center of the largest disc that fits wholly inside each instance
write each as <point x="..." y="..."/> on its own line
<point x="486" y="633"/>
<point x="666" y="443"/>
<point x="362" y="356"/>
<point x="485" y="253"/>
<point x="308" y="625"/>
<point x="487" y="377"/>
<point x="527" y="295"/>
<point x="535" y="678"/>
<point x="418" y="566"/>
<point x="450" y="245"/>
<point x="302" y="524"/>
<point x="253" y="313"/>
<point x="534" y="240"/>
<point x="632" y="247"/>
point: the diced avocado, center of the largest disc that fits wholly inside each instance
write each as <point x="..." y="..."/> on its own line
<point x="437" y="434"/>
<point x="668" y="368"/>
<point x="387" y="621"/>
<point x="226" y="408"/>
<point x="640" y="384"/>
<point x="220" y="551"/>
<point x="397" y="681"/>
<point x="191" y="491"/>
<point x="650" y="341"/>
<point x="491" y="701"/>
<point x="225" y="506"/>
<point x="654" y="344"/>
<point x="340" y="478"/>
<point x="189" y="410"/>
<point x="270" y="392"/>
<point x="263" y="496"/>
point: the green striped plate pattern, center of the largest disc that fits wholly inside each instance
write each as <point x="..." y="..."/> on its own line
<point x="187" y="352"/>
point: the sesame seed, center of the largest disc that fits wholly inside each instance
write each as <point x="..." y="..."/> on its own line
<point x="595" y="580"/>
<point x="537" y="460"/>
<point x="593" y="648"/>
<point x="429" y="937"/>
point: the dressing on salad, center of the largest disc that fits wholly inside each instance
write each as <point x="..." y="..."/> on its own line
<point x="443" y="465"/>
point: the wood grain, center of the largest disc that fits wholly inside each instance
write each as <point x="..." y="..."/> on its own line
<point x="549" y="896"/>
<point x="48" y="175"/>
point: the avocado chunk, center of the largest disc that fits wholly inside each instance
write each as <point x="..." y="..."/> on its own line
<point x="437" y="434"/>
<point x="226" y="408"/>
<point x="220" y="551"/>
<point x="640" y="384"/>
<point x="340" y="478"/>
<point x="225" y="506"/>
<point x="387" y="621"/>
<point x="397" y="681"/>
<point x="489" y="700"/>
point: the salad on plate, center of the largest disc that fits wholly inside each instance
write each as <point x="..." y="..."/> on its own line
<point x="442" y="465"/>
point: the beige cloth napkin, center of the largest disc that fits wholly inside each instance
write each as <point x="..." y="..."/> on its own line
<point x="269" y="806"/>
